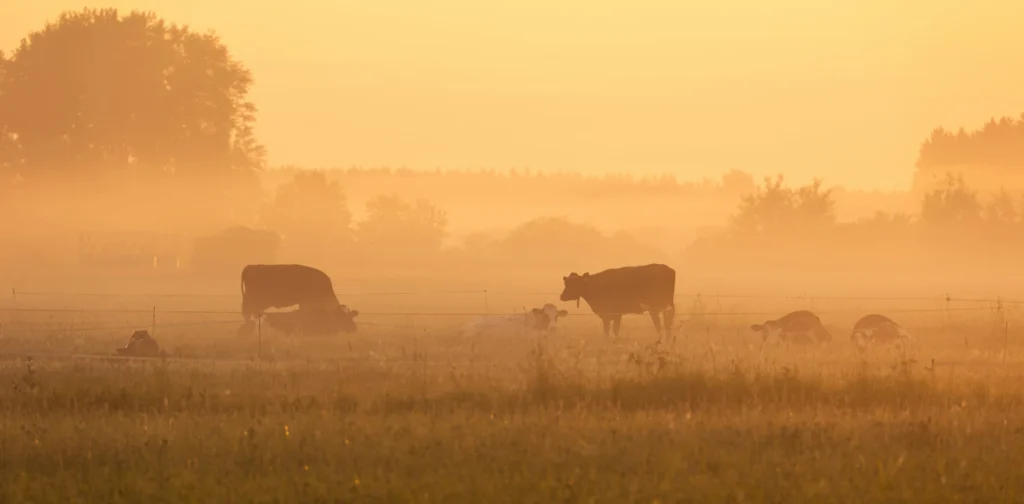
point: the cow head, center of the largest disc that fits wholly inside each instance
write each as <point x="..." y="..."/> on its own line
<point x="345" y="319"/>
<point x="575" y="287"/>
<point x="546" y="316"/>
<point x="766" y="329"/>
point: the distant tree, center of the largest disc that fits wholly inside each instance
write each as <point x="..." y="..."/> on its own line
<point x="397" y="227"/>
<point x="7" y="144"/>
<point x="952" y="203"/>
<point x="552" y="235"/>
<point x="1001" y="209"/>
<point x="310" y="211"/>
<point x="97" y="90"/>
<point x="738" y="183"/>
<point x="776" y="209"/>
<point x="988" y="157"/>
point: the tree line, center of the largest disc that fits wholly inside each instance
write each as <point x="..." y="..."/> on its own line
<point x="99" y="99"/>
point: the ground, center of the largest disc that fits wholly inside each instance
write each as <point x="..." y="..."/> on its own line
<point x="408" y="410"/>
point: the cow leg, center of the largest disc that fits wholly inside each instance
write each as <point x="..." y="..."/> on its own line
<point x="606" y="322"/>
<point x="616" y="323"/>
<point x="655" y="317"/>
<point x="670" y="317"/>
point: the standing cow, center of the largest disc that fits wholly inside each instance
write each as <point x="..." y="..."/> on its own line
<point x="282" y="285"/>
<point x="613" y="293"/>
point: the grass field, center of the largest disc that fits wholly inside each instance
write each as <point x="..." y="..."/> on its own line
<point x="408" y="410"/>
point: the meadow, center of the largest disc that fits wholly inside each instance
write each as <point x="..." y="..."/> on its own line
<point x="409" y="410"/>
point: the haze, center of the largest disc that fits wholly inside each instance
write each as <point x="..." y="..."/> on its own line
<point x="842" y="90"/>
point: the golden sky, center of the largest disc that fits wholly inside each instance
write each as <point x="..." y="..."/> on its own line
<point x="842" y="89"/>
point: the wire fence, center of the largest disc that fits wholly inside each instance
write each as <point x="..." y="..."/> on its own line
<point x="23" y="303"/>
<point x="689" y="306"/>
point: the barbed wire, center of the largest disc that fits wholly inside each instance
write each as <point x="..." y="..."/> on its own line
<point x="151" y="311"/>
<point x="939" y="298"/>
<point x="123" y="327"/>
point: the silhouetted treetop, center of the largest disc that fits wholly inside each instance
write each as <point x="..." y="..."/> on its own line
<point x="776" y="209"/>
<point x="309" y="206"/>
<point x="395" y="226"/>
<point x="988" y="155"/>
<point x="97" y="89"/>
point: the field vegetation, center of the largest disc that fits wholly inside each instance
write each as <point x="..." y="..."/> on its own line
<point x="409" y="410"/>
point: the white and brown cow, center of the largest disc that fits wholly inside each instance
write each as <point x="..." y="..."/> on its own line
<point x="543" y="319"/>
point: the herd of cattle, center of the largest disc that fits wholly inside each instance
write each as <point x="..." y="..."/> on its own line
<point x="610" y="294"/>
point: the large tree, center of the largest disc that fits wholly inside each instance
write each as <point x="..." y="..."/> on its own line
<point x="100" y="90"/>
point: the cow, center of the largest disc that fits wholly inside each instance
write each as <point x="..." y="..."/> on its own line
<point x="880" y="329"/>
<point x="282" y="285"/>
<point x="141" y="344"/>
<point x="800" y="327"/>
<point x="313" y="321"/>
<point x="538" y="319"/>
<point x="615" y="292"/>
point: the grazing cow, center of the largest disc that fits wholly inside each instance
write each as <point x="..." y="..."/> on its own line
<point x="613" y="293"/>
<point x="538" y="319"/>
<point x="282" y="285"/>
<point x="880" y="329"/>
<point x="313" y="321"/>
<point x="800" y="327"/>
<point x="141" y="344"/>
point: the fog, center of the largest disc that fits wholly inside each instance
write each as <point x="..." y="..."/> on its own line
<point x="146" y="173"/>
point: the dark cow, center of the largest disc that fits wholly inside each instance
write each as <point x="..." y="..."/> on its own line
<point x="878" y="329"/>
<point x="800" y="327"/>
<point x="141" y="344"/>
<point x="282" y="285"/>
<point x="313" y="321"/>
<point x="613" y="293"/>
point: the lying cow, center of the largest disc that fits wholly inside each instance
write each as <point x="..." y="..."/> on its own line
<point x="538" y="319"/>
<point x="141" y="344"/>
<point x="878" y="329"/>
<point x="313" y="321"/>
<point x="799" y="327"/>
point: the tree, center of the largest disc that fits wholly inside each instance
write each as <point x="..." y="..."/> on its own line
<point x="7" y="146"/>
<point x="309" y="209"/>
<point x="738" y="183"/>
<point x="775" y="209"/>
<point x="97" y="90"/>
<point x="988" y="157"/>
<point x="951" y="204"/>
<point x="397" y="227"/>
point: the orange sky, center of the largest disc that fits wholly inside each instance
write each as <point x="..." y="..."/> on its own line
<point x="845" y="89"/>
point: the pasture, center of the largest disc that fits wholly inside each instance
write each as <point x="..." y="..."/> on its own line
<point x="410" y="410"/>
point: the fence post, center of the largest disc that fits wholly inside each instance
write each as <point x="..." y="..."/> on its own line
<point x="14" y="295"/>
<point x="1006" y="332"/>
<point x="152" y="328"/>
<point x="259" y="337"/>
<point x="486" y="303"/>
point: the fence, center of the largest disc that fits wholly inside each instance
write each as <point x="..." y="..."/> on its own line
<point x="23" y="302"/>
